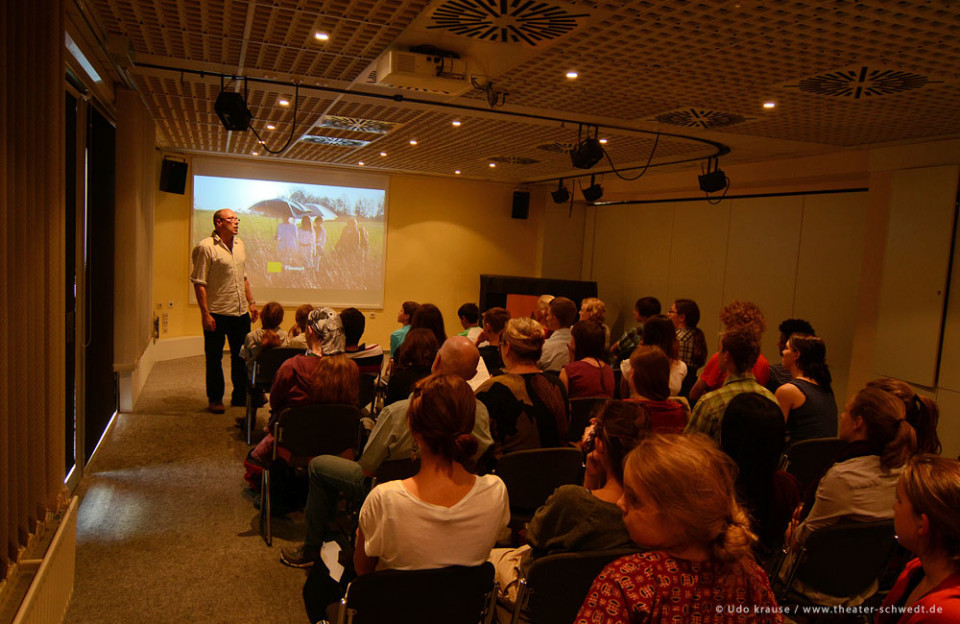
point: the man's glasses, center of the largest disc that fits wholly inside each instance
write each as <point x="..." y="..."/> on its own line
<point x="230" y="219"/>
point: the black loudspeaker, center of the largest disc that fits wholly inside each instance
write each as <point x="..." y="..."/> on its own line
<point x="521" y="204"/>
<point x="173" y="176"/>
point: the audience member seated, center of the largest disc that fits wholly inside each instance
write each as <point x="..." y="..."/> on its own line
<point x="316" y="381"/>
<point x="753" y="435"/>
<point x="644" y="308"/>
<point x="367" y="357"/>
<point x="444" y="515"/>
<point x="297" y="334"/>
<point x="469" y="316"/>
<point x="925" y="517"/>
<point x="539" y="313"/>
<point x="428" y="316"/>
<point x="416" y="356"/>
<point x="778" y="374"/>
<point x="861" y="485"/>
<point x="649" y="388"/>
<point x="389" y="440"/>
<point x="575" y="518"/>
<point x="268" y="336"/>
<point x="679" y="503"/>
<point x="807" y="400"/>
<point x="587" y="375"/>
<point x="685" y="314"/>
<point x="494" y="321"/>
<point x="407" y="308"/>
<point x="527" y="408"/>
<point x="593" y="309"/>
<point x="739" y="349"/>
<point x="561" y="314"/>
<point x="659" y="331"/>
<point x="921" y="412"/>
<point x="738" y="314"/>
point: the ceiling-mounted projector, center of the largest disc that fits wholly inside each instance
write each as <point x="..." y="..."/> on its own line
<point x="586" y="154"/>
<point x="232" y="111"/>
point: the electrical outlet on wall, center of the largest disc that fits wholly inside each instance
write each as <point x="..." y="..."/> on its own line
<point x="373" y="315"/>
<point x="164" y="323"/>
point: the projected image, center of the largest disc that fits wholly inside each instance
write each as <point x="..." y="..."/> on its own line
<point x="305" y="242"/>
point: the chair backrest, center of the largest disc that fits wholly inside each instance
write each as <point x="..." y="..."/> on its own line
<point x="845" y="559"/>
<point x="268" y="363"/>
<point x="581" y="411"/>
<point x="557" y="584"/>
<point x="452" y="595"/>
<point x="394" y="469"/>
<point x="324" y="429"/>
<point x="808" y="459"/>
<point x="368" y="389"/>
<point x="532" y="475"/>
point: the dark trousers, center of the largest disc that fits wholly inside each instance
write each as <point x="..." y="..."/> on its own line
<point x="235" y="329"/>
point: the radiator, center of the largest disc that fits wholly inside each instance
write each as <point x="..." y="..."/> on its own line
<point x="50" y="591"/>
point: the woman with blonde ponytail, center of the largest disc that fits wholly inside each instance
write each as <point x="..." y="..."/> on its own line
<point x="679" y="503"/>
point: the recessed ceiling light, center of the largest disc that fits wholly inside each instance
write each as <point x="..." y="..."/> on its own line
<point x="413" y="141"/>
<point x="769" y="104"/>
<point x="457" y="172"/>
<point x="283" y="102"/>
<point x="492" y="165"/>
<point x="271" y="127"/>
<point x="572" y="74"/>
<point x="383" y="154"/>
<point x="261" y="142"/>
<point x="321" y="36"/>
<point x="604" y="141"/>
<point x="456" y="123"/>
<point x="361" y="163"/>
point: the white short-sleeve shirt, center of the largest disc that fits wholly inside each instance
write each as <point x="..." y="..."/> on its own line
<point x="407" y="533"/>
<point x="222" y="271"/>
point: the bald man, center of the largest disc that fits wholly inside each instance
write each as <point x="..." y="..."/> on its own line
<point x="390" y="439"/>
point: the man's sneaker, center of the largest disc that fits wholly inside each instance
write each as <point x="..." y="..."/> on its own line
<point x="216" y="407"/>
<point x="299" y="557"/>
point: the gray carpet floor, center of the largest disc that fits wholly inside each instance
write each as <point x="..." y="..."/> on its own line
<point x="165" y="531"/>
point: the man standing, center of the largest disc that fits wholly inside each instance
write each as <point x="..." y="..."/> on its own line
<point x="226" y="305"/>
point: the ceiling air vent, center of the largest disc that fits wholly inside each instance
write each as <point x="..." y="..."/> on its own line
<point x="357" y="124"/>
<point x="512" y="160"/>
<point x="530" y="23"/>
<point x="860" y="82"/>
<point x="326" y="140"/>
<point x="700" y="118"/>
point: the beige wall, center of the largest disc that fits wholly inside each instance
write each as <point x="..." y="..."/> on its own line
<point x="441" y="235"/>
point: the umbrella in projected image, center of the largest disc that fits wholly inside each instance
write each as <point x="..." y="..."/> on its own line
<point x="279" y="209"/>
<point x="321" y="211"/>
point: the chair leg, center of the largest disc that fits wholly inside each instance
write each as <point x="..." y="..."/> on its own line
<point x="518" y="606"/>
<point x="265" y="508"/>
<point x="251" y="416"/>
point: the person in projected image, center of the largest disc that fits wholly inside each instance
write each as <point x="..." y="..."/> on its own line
<point x="287" y="244"/>
<point x="226" y="305"/>
<point x="308" y="241"/>
<point x="354" y="241"/>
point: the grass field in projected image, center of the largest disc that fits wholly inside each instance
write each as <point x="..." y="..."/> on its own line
<point x="329" y="271"/>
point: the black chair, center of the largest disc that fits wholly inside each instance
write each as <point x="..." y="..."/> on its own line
<point x="556" y="585"/>
<point x="261" y="379"/>
<point x="808" y="459"/>
<point x="581" y="411"/>
<point x="531" y="476"/>
<point x="843" y="559"/>
<point x="452" y="595"/>
<point x="308" y="431"/>
<point x="396" y="469"/>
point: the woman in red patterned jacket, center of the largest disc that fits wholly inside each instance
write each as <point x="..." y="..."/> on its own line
<point x="679" y="502"/>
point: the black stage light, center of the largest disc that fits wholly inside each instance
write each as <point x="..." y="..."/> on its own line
<point x="713" y="181"/>
<point x="593" y="192"/>
<point x="587" y="153"/>
<point x="233" y="111"/>
<point x="560" y="195"/>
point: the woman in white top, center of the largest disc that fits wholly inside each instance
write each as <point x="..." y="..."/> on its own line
<point x="658" y="331"/>
<point x="444" y="515"/>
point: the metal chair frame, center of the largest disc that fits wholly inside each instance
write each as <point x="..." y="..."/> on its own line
<point x="265" y="367"/>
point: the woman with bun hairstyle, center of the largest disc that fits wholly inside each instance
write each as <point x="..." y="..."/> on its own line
<point x="444" y="515"/>
<point x="925" y="517"/>
<point x="807" y="401"/>
<point x="921" y="412"/>
<point x="679" y="503"/>
<point x="527" y="408"/>
<point x="861" y="485"/>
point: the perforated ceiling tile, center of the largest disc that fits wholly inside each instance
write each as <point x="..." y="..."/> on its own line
<point x="705" y="62"/>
